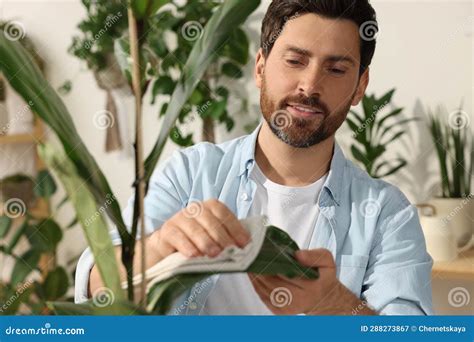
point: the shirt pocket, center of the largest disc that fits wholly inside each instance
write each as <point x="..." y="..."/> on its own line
<point x="351" y="271"/>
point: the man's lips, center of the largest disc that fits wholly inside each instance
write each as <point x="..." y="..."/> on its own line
<point x="302" y="110"/>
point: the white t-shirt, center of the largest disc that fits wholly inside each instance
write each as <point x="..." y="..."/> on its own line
<point x="294" y="210"/>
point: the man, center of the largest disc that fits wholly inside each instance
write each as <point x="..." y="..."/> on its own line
<point x="361" y="233"/>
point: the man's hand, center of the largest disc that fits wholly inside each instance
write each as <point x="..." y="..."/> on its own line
<point x="202" y="228"/>
<point x="323" y="296"/>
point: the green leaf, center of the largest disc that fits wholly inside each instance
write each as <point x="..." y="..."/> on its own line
<point x="353" y="126"/>
<point x="393" y="113"/>
<point x="178" y="138"/>
<point x="5" y="225"/>
<point x="45" y="185"/>
<point x="44" y="236"/>
<point x="164" y="85"/>
<point x="397" y="124"/>
<point x="231" y="70"/>
<point x="89" y="215"/>
<point x="385" y="99"/>
<point x="237" y="48"/>
<point x="222" y="92"/>
<point x="368" y="107"/>
<point x="27" y="80"/>
<point x="358" y="154"/>
<point x="225" y="19"/>
<point x="216" y="110"/>
<point x="402" y="163"/>
<point x="20" y="294"/>
<point x="27" y="263"/>
<point x="395" y="137"/>
<point x="358" y="117"/>
<point x="196" y="97"/>
<point x="56" y="284"/>
<point x="145" y="8"/>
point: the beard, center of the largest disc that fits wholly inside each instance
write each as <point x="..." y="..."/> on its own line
<point x="298" y="131"/>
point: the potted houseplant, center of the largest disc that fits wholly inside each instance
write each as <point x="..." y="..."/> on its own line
<point x="373" y="131"/>
<point x="454" y="145"/>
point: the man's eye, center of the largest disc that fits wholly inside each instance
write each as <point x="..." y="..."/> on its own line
<point x="293" y="62"/>
<point x="337" y="71"/>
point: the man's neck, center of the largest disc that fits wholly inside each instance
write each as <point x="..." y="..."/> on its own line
<point x="288" y="165"/>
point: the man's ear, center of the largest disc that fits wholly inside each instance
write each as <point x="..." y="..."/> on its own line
<point x="361" y="87"/>
<point x="259" y="68"/>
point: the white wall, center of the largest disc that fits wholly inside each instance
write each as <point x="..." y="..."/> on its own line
<point x="425" y="50"/>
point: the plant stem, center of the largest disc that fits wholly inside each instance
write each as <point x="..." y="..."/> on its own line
<point x="140" y="181"/>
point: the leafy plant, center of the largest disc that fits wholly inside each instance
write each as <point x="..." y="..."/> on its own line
<point x="453" y="147"/>
<point x="184" y="23"/>
<point x="25" y="288"/>
<point x="210" y="100"/>
<point x="373" y="132"/>
<point x="105" y="22"/>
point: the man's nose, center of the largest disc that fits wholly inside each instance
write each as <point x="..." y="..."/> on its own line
<point x="311" y="82"/>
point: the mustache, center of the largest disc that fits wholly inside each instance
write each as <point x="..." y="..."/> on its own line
<point x="306" y="101"/>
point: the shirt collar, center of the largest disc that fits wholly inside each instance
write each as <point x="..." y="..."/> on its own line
<point x="336" y="171"/>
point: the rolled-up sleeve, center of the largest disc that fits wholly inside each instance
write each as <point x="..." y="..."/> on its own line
<point x="167" y="194"/>
<point x="398" y="277"/>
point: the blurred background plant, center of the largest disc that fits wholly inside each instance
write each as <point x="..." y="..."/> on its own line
<point x="373" y="132"/>
<point x="169" y="37"/>
<point x="31" y="241"/>
<point x="183" y="24"/>
<point x="454" y="146"/>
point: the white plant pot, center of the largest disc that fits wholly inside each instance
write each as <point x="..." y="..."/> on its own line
<point x="439" y="236"/>
<point x="459" y="212"/>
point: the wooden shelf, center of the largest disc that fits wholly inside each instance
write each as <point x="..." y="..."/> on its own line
<point x="17" y="139"/>
<point x="460" y="268"/>
<point x="32" y="137"/>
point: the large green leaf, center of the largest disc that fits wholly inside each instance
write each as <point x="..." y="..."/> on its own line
<point x="275" y="257"/>
<point x="217" y="31"/>
<point x="21" y="72"/>
<point x="88" y="214"/>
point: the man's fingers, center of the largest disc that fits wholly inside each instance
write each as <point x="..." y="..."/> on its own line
<point x="319" y="257"/>
<point x="178" y="241"/>
<point x="200" y="237"/>
<point x="232" y="224"/>
<point x="215" y="228"/>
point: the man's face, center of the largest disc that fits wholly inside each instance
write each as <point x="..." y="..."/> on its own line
<point x="310" y="79"/>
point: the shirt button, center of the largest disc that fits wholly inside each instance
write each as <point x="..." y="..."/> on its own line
<point x="193" y="306"/>
<point x="245" y="197"/>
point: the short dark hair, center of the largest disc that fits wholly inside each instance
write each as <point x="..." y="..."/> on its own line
<point x="360" y="12"/>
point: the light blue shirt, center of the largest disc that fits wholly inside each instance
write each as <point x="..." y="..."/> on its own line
<point x="369" y="226"/>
